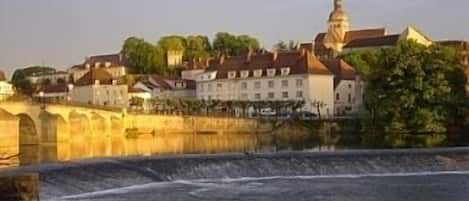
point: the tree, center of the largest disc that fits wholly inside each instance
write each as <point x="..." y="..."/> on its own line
<point x="143" y="57"/>
<point x="409" y="88"/>
<point x="362" y="61"/>
<point x="172" y="43"/>
<point x="197" y="47"/>
<point x="226" y="43"/>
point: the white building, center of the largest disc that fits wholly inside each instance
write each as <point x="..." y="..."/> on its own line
<point x="167" y="88"/>
<point x="348" y="87"/>
<point x="6" y="89"/>
<point x="98" y="87"/>
<point x="114" y="64"/>
<point x="49" y="78"/>
<point x="273" y="76"/>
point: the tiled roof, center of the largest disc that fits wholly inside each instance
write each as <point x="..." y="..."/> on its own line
<point x="389" y="40"/>
<point x="2" y="76"/>
<point x="95" y="74"/>
<point x="340" y="69"/>
<point x="299" y="63"/>
<point x="161" y="81"/>
<point x="364" y="33"/>
<point x="136" y="90"/>
<point x="320" y="49"/>
<point x="459" y="44"/>
<point x="116" y="60"/>
<point x="306" y="46"/>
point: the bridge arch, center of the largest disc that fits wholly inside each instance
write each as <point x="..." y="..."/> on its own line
<point x="100" y="143"/>
<point x="28" y="140"/>
<point x="80" y="135"/>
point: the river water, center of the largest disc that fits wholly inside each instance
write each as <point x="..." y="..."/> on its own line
<point x="360" y="175"/>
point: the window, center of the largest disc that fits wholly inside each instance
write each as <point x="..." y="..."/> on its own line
<point x="201" y="88"/>
<point x="257" y="73"/>
<point x="299" y="83"/>
<point x="257" y="96"/>
<point x="271" y="95"/>
<point x="337" y="96"/>
<point x="232" y="75"/>
<point x="219" y="86"/>
<point x="108" y="64"/>
<point x="257" y="85"/>
<point x="349" y="86"/>
<point x="244" y="85"/>
<point x="285" y="71"/>
<point x="244" y="74"/>
<point x="244" y="96"/>
<point x="97" y="65"/>
<point x="271" y="72"/>
<point x="210" y="88"/>
<point x="349" y="98"/>
<point x="285" y="94"/>
<point x="271" y="84"/>
<point x="299" y="94"/>
<point x="284" y="83"/>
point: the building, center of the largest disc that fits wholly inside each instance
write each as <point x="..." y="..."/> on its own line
<point x="99" y="87"/>
<point x="340" y="39"/>
<point x="54" y="93"/>
<point x="114" y="64"/>
<point x="6" y="89"/>
<point x="174" y="58"/>
<point x="49" y="78"/>
<point x="166" y="87"/>
<point x="269" y="77"/>
<point x="348" y="87"/>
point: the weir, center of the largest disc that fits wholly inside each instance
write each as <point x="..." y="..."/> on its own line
<point x="73" y="178"/>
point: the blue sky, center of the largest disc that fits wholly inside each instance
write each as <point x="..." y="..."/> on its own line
<point x="62" y="33"/>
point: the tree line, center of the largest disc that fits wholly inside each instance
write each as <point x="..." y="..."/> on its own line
<point x="146" y="57"/>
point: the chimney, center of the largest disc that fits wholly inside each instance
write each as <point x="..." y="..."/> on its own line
<point x="222" y="59"/>
<point x="249" y="56"/>
<point x="275" y="55"/>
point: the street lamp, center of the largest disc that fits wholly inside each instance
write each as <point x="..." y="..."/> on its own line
<point x="41" y="99"/>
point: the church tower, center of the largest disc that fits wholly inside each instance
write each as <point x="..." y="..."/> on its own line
<point x="338" y="27"/>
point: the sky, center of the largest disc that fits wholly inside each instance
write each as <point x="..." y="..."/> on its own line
<point x="61" y="33"/>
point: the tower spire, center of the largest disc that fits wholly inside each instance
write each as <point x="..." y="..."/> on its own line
<point x="337" y="4"/>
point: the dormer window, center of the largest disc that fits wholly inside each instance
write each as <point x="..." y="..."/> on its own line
<point x="232" y="75"/>
<point x="97" y="64"/>
<point x="258" y="73"/>
<point x="285" y="71"/>
<point x="87" y="65"/>
<point x="107" y="64"/>
<point x="96" y="82"/>
<point x="271" y="72"/>
<point x="244" y="74"/>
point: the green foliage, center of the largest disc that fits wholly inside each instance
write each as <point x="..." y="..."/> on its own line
<point x="362" y="61"/>
<point x="197" y="47"/>
<point x="409" y="88"/>
<point x="234" y="45"/>
<point x="172" y="43"/>
<point x="143" y="57"/>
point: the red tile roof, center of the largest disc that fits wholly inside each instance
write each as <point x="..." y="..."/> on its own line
<point x="299" y="63"/>
<point x="95" y="74"/>
<point x="116" y="60"/>
<point x="340" y="69"/>
<point x="2" y="76"/>
<point x="389" y="40"/>
<point x="321" y="50"/>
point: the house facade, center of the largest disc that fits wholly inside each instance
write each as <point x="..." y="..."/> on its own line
<point x="269" y="77"/>
<point x="98" y="87"/>
<point x="114" y="64"/>
<point x="6" y="89"/>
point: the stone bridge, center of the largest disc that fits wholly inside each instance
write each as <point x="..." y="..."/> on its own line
<point x="68" y="132"/>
